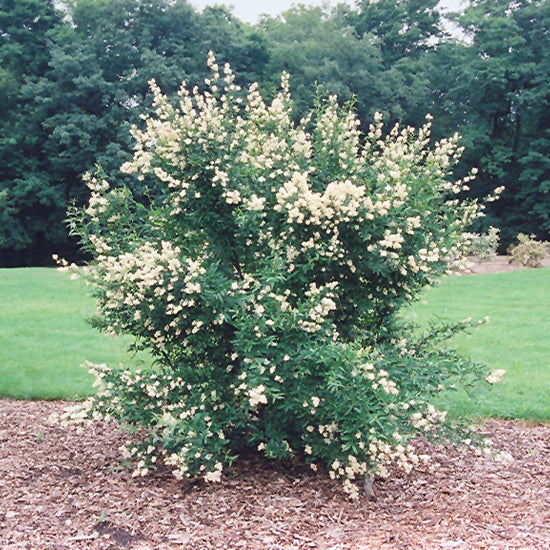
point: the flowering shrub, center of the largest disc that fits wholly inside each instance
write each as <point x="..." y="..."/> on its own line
<point x="484" y="245"/>
<point x="528" y="252"/>
<point x="265" y="273"/>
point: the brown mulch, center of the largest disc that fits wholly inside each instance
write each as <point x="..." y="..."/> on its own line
<point x="499" y="264"/>
<point x="61" y="489"/>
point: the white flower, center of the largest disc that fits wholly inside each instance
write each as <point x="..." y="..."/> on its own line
<point x="256" y="203"/>
<point x="216" y="475"/>
<point x="257" y="396"/>
<point x="495" y="376"/>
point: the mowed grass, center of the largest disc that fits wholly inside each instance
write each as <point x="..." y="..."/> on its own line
<point x="517" y="339"/>
<point x="44" y="336"/>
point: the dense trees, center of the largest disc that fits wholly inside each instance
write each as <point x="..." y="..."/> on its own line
<point x="73" y="88"/>
<point x="72" y="82"/>
<point x="498" y="82"/>
<point x="324" y="56"/>
<point x="27" y="191"/>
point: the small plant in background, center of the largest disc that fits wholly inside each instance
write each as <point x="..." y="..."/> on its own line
<point x="265" y="274"/>
<point x="528" y="252"/>
<point x="483" y="246"/>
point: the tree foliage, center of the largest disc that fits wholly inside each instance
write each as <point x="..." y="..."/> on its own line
<point x="76" y="109"/>
<point x="495" y="82"/>
<point x="28" y="194"/>
<point x="74" y="81"/>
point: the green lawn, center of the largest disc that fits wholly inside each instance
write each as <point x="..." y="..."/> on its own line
<point x="44" y="337"/>
<point x="517" y="339"/>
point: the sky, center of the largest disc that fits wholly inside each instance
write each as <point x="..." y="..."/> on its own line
<point x="250" y="10"/>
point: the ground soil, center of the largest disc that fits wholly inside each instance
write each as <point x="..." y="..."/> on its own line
<point x="500" y="264"/>
<point x="61" y="488"/>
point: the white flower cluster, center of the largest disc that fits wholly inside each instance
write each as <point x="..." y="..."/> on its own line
<point x="404" y="456"/>
<point x="496" y="376"/>
<point x="350" y="469"/>
<point x="257" y="396"/>
<point x="325" y="304"/>
<point x="429" y="419"/>
<point x="340" y="202"/>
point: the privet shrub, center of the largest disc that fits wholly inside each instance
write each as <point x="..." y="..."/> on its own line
<point x="528" y="252"/>
<point x="265" y="272"/>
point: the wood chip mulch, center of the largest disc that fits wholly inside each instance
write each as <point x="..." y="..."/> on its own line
<point x="61" y="489"/>
<point x="499" y="264"/>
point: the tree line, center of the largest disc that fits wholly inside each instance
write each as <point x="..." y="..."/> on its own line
<point x="74" y="79"/>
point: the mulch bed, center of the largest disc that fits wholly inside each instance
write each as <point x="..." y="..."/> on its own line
<point x="61" y="488"/>
<point x="499" y="264"/>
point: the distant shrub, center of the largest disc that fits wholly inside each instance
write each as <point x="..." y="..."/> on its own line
<point x="528" y="252"/>
<point x="484" y="245"/>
